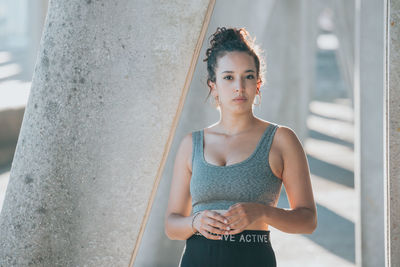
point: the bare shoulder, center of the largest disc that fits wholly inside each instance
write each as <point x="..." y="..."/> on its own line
<point x="286" y="133"/>
<point x="185" y="150"/>
<point x="286" y="140"/>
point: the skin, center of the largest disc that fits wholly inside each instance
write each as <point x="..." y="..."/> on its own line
<point x="231" y="140"/>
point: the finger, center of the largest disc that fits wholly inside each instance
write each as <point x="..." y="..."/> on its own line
<point x="206" y="234"/>
<point x="236" y="231"/>
<point x="214" y="230"/>
<point x="216" y="224"/>
<point x="241" y="223"/>
<point x="218" y="216"/>
<point x="233" y="210"/>
<point x="233" y="219"/>
<point x="235" y="206"/>
<point x="227" y="213"/>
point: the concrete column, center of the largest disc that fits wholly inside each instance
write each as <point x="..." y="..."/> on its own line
<point x="369" y="111"/>
<point x="392" y="133"/>
<point x="290" y="38"/>
<point x="107" y="89"/>
<point x="344" y="11"/>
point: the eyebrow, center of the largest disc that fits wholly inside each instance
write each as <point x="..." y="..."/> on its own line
<point x="229" y="71"/>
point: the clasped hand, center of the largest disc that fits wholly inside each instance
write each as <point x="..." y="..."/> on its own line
<point x="212" y="224"/>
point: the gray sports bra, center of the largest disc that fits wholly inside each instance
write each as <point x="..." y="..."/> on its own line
<point x="219" y="187"/>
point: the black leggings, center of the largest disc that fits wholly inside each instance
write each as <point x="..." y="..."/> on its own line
<point x="248" y="248"/>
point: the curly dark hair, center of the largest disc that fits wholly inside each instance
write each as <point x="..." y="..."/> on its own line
<point x="228" y="40"/>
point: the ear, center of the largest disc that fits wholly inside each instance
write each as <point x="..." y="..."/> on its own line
<point x="213" y="90"/>
<point x="258" y="86"/>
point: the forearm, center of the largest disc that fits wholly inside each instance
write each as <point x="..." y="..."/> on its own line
<point x="178" y="227"/>
<point x="296" y="221"/>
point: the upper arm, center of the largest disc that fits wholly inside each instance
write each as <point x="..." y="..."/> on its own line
<point x="295" y="174"/>
<point x="179" y="197"/>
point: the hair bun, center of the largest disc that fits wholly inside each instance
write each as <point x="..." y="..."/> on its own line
<point x="223" y="35"/>
<point x="229" y="39"/>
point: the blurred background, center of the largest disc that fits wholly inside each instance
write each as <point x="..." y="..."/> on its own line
<point x="309" y="52"/>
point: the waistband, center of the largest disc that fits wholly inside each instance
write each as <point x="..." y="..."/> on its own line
<point x="244" y="237"/>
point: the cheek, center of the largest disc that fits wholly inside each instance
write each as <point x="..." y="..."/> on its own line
<point x="252" y="82"/>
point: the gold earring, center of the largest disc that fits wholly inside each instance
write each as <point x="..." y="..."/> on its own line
<point x="216" y="101"/>
<point x="259" y="102"/>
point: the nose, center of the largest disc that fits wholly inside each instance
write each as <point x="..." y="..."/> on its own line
<point x="239" y="86"/>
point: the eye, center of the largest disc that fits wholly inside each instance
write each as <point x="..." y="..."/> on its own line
<point x="251" y="76"/>
<point x="228" y="77"/>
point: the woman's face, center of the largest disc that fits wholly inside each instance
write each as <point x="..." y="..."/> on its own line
<point x="236" y="77"/>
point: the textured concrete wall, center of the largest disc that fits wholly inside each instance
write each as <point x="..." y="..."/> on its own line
<point x="369" y="174"/>
<point x="393" y="134"/>
<point x="105" y="94"/>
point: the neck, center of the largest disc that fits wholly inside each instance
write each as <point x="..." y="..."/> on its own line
<point x="233" y="124"/>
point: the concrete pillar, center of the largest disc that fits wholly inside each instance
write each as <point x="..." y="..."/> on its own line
<point x="344" y="29"/>
<point x="108" y="87"/>
<point x="369" y="111"/>
<point x="392" y="133"/>
<point x="290" y="38"/>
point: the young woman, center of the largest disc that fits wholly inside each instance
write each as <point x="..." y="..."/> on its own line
<point x="227" y="177"/>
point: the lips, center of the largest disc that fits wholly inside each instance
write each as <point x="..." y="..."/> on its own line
<point x="239" y="98"/>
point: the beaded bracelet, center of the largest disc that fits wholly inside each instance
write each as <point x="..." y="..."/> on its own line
<point x="194" y="216"/>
